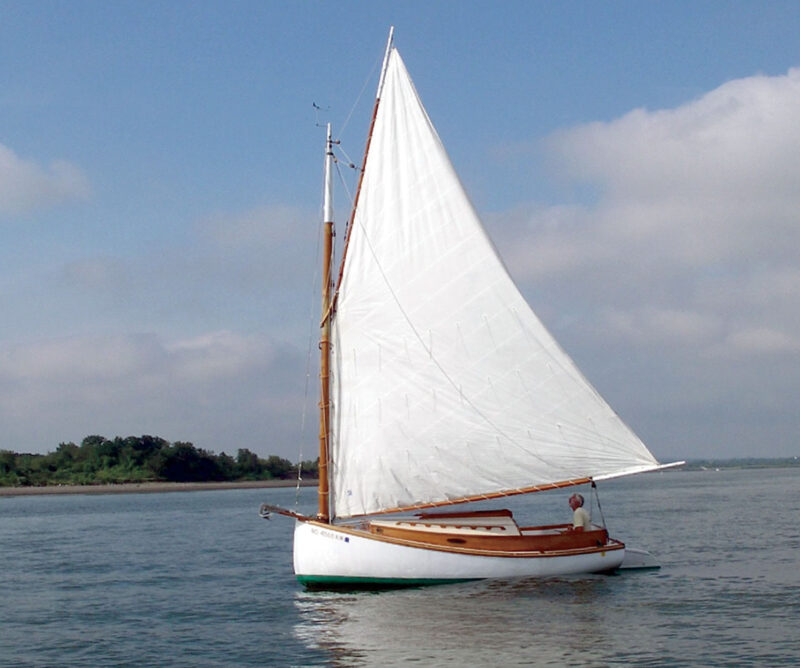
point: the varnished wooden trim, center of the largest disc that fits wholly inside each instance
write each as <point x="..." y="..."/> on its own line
<point x="611" y="546"/>
<point x="550" y="541"/>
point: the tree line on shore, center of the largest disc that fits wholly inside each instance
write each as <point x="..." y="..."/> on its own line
<point x="99" y="460"/>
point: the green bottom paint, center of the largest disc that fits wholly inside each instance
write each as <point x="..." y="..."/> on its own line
<point x="346" y="583"/>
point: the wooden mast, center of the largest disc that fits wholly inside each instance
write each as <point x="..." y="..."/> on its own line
<point x="323" y="512"/>
<point x="328" y="299"/>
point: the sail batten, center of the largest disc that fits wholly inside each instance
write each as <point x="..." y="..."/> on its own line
<point x="446" y="387"/>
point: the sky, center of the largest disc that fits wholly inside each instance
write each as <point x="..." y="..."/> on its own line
<point x="636" y="164"/>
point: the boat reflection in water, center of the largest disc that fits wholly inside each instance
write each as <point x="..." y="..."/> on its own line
<point x="528" y="621"/>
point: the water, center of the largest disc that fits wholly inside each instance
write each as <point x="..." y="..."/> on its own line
<point x="197" y="579"/>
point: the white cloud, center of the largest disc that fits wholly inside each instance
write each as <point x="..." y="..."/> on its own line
<point x="698" y="212"/>
<point x="220" y="390"/>
<point x="27" y="186"/>
<point x="77" y="360"/>
<point x="714" y="180"/>
<point x="760" y="340"/>
<point x="244" y="270"/>
<point x="198" y="375"/>
<point x="261" y="226"/>
<point x="209" y="357"/>
<point x="651" y="326"/>
<point x="682" y="272"/>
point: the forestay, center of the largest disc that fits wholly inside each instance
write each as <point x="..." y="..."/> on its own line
<point x="445" y="383"/>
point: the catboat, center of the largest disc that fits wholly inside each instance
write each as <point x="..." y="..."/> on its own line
<point x="440" y="386"/>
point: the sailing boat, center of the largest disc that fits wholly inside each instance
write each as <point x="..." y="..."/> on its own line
<point x="440" y="386"/>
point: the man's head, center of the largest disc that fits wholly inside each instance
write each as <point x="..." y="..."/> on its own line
<point x="575" y="501"/>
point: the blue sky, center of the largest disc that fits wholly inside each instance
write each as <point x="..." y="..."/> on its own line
<point x="636" y="164"/>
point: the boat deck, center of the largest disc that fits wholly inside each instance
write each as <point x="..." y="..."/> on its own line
<point x="489" y="531"/>
<point x="504" y="526"/>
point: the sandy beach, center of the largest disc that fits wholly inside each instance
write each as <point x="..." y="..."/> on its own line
<point x="151" y="487"/>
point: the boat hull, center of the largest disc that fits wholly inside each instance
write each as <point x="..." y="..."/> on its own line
<point x="332" y="557"/>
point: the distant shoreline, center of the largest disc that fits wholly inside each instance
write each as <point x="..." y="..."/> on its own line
<point x="151" y="487"/>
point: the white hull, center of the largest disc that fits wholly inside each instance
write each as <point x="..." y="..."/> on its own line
<point x="327" y="555"/>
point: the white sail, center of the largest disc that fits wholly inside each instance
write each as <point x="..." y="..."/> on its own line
<point x="445" y="383"/>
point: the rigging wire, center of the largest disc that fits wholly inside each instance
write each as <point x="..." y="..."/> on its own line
<point x="360" y="95"/>
<point x="344" y="183"/>
<point x="350" y="162"/>
<point x="599" y="508"/>
<point x="311" y="323"/>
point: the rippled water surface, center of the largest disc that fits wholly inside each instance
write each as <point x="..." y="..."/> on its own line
<point x="198" y="579"/>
